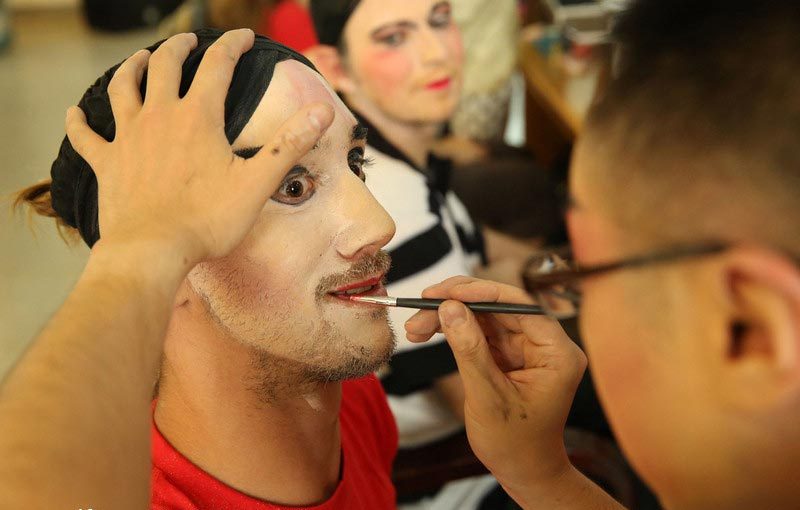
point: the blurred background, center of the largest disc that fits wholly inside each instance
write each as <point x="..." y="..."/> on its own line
<point x="48" y="57"/>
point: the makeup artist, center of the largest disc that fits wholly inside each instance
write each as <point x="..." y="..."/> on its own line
<point x="684" y="228"/>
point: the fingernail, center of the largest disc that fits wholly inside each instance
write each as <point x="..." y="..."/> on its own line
<point x="410" y="323"/>
<point x="452" y="314"/>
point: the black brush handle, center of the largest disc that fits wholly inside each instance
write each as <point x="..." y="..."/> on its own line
<point x="433" y="304"/>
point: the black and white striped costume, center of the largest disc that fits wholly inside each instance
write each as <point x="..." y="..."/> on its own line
<point x="435" y="239"/>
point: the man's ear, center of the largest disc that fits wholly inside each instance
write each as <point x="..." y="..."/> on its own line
<point x="761" y="352"/>
<point x="329" y="63"/>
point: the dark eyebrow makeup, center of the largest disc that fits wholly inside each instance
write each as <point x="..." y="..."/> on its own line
<point x="247" y="152"/>
<point x="359" y="132"/>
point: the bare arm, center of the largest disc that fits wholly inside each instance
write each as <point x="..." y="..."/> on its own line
<point x="74" y="417"/>
<point x="520" y="374"/>
<point x="74" y="412"/>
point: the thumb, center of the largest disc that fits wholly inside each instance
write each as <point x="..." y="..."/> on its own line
<point x="481" y="375"/>
<point x="294" y="139"/>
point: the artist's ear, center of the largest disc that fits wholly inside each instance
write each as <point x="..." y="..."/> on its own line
<point x="760" y="354"/>
<point x="328" y="61"/>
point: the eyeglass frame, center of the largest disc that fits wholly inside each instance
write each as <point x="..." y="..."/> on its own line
<point x="544" y="281"/>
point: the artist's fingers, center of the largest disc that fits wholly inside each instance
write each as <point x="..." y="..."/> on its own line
<point x="471" y="290"/>
<point x="425" y="323"/>
<point x="123" y="90"/>
<point x="483" y="379"/>
<point x="298" y="135"/>
<point x="488" y="291"/>
<point x="84" y="140"/>
<point x="441" y="290"/>
<point x="165" y="68"/>
<point x="422" y="325"/>
<point x="424" y="337"/>
<point x="214" y="76"/>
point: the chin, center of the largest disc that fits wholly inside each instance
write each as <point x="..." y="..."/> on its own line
<point x="365" y="343"/>
<point x="440" y="111"/>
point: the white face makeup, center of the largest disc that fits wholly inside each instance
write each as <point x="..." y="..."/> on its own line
<point x="322" y="231"/>
<point x="406" y="57"/>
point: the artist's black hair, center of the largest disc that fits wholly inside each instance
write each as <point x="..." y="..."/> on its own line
<point x="73" y="190"/>
<point x="700" y="122"/>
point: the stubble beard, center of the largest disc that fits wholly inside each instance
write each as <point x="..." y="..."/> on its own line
<point x="273" y="378"/>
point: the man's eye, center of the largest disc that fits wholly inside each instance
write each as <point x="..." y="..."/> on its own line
<point x="357" y="162"/>
<point x="295" y="190"/>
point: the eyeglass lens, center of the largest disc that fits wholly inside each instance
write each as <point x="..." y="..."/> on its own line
<point x="559" y="301"/>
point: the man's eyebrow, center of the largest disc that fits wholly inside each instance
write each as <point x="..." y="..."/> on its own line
<point x="359" y="132"/>
<point x="247" y="152"/>
<point x="399" y="24"/>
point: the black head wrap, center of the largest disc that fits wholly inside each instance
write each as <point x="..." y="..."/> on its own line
<point x="74" y="186"/>
<point x="330" y="17"/>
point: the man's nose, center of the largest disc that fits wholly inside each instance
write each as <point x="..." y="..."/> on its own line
<point x="368" y="227"/>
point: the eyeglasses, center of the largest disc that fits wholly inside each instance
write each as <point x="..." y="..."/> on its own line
<point x="554" y="279"/>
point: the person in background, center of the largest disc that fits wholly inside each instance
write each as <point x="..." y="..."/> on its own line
<point x="490" y="31"/>
<point x="220" y="14"/>
<point x="290" y="24"/>
<point x="286" y="21"/>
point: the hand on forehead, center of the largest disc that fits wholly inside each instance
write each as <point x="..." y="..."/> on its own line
<point x="293" y="86"/>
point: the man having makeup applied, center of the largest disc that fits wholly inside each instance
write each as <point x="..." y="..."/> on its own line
<point x="265" y="397"/>
<point x="684" y="228"/>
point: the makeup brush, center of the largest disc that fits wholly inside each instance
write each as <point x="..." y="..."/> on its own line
<point x="433" y="304"/>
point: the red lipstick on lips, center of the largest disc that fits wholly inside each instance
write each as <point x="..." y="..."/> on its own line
<point x="439" y="84"/>
<point x="371" y="287"/>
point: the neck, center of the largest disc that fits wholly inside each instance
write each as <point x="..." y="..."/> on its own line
<point x="761" y="475"/>
<point x="212" y="408"/>
<point x="415" y="140"/>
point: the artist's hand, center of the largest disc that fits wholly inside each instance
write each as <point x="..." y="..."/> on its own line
<point x="170" y="177"/>
<point x="520" y="374"/>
